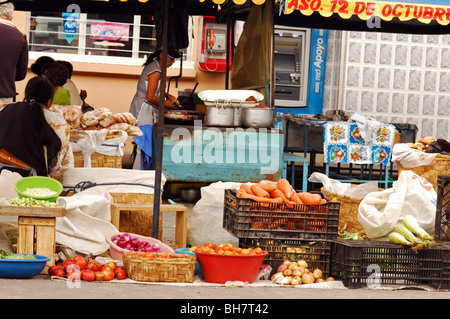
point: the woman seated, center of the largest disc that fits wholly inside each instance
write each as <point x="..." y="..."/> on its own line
<point x="28" y="144"/>
<point x="57" y="74"/>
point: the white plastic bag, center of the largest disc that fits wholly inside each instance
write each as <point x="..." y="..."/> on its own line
<point x="411" y="194"/>
<point x="206" y="222"/>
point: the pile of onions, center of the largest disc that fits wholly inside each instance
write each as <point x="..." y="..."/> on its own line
<point x="126" y="241"/>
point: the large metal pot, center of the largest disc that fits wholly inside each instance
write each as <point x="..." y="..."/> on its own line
<point x="257" y="117"/>
<point x="219" y="115"/>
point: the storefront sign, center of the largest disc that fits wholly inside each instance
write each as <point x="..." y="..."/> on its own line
<point x="386" y="10"/>
<point x="110" y="31"/>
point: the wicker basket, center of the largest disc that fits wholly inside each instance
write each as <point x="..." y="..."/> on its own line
<point x="176" y="268"/>
<point x="137" y="222"/>
<point x="97" y="159"/>
<point x="348" y="211"/>
<point x="439" y="166"/>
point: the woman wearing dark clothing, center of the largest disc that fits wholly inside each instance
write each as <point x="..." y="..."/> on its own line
<point x="28" y="145"/>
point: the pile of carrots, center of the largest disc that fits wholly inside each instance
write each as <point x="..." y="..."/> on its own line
<point x="279" y="192"/>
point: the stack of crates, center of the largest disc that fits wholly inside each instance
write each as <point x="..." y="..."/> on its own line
<point x="286" y="231"/>
<point x="362" y="263"/>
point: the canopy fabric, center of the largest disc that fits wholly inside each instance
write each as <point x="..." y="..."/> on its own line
<point x="387" y="10"/>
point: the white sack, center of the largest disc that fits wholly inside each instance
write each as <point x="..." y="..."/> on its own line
<point x="141" y="179"/>
<point x="409" y="157"/>
<point x="7" y="191"/>
<point x="206" y="222"/>
<point x="87" y="222"/>
<point x="411" y="194"/>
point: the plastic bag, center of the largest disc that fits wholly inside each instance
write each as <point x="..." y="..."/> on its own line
<point x="337" y="187"/>
<point x="206" y="222"/>
<point x="411" y="194"/>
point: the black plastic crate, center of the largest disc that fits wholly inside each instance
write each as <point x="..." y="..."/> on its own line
<point x="442" y="228"/>
<point x="360" y="263"/>
<point x="316" y="253"/>
<point x="246" y="218"/>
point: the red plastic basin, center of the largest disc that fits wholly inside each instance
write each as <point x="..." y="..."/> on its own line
<point x="222" y="268"/>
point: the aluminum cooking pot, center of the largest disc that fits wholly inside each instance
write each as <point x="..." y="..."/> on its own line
<point x="257" y="117"/>
<point x="219" y="115"/>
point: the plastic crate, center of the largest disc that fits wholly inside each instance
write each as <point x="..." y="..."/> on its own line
<point x="246" y="218"/>
<point x="317" y="254"/>
<point x="360" y="263"/>
<point x="442" y="228"/>
<point x="407" y="132"/>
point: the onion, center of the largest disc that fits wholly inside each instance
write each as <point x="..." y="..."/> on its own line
<point x="134" y="241"/>
<point x="155" y="246"/>
<point x="129" y="247"/>
<point x="126" y="236"/>
<point x="122" y="243"/>
<point x="116" y="238"/>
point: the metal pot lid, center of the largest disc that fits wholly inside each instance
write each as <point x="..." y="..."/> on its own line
<point x="231" y="98"/>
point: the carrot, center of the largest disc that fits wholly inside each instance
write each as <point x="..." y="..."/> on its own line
<point x="279" y="194"/>
<point x="296" y="199"/>
<point x="261" y="199"/>
<point x="258" y="191"/>
<point x="309" y="198"/>
<point x="267" y="185"/>
<point x="246" y="187"/>
<point x="284" y="186"/>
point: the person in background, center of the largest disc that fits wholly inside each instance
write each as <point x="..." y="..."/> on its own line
<point x="37" y="66"/>
<point x="74" y="93"/>
<point x="28" y="145"/>
<point x="145" y="106"/>
<point x="146" y="98"/>
<point x="13" y="54"/>
<point x="57" y="74"/>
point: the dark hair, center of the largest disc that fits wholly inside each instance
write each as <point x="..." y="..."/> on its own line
<point x="36" y="67"/>
<point x="39" y="91"/>
<point x="153" y="56"/>
<point x="56" y="73"/>
<point x="68" y="66"/>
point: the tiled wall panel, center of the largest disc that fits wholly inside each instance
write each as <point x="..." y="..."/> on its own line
<point x="397" y="78"/>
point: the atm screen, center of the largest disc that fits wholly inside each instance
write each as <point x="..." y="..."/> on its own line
<point x="285" y="62"/>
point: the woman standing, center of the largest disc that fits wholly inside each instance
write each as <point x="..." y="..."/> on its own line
<point x="28" y="145"/>
<point x="145" y="103"/>
<point x="145" y="107"/>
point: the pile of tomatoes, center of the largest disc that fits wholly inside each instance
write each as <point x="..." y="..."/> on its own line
<point x="150" y="255"/>
<point x="87" y="269"/>
<point x="226" y="249"/>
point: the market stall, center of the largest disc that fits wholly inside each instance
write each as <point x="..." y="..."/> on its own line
<point x="281" y="225"/>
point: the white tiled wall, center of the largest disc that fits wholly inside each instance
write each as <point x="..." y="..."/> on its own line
<point x="396" y="78"/>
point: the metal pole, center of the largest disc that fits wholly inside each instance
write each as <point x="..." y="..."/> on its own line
<point x="159" y="132"/>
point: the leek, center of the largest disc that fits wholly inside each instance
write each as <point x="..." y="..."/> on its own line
<point x="411" y="224"/>
<point x="396" y="238"/>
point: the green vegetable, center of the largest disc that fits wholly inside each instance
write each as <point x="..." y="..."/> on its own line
<point x="396" y="238"/>
<point x="345" y="234"/>
<point x="409" y="236"/>
<point x="411" y="223"/>
<point x="5" y="255"/>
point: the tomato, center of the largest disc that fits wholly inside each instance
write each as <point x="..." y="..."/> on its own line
<point x="121" y="274"/>
<point x="52" y="269"/>
<point x="227" y="247"/>
<point x="198" y="249"/>
<point x="245" y="252"/>
<point x="238" y="250"/>
<point x="109" y="274"/>
<point x="80" y="261"/>
<point x="99" y="276"/>
<point x="258" y="250"/>
<point x="210" y="245"/>
<point x="111" y="264"/>
<point x="220" y="251"/>
<point x="227" y="252"/>
<point x="87" y="275"/>
<point x="59" y="272"/>
<point x="69" y="264"/>
<point x="149" y="255"/>
<point x="94" y="265"/>
<point x="74" y="274"/>
<point x="206" y="250"/>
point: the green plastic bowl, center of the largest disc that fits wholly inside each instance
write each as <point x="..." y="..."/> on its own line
<point x="37" y="182"/>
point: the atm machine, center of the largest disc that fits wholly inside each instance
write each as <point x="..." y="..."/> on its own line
<point x="299" y="66"/>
